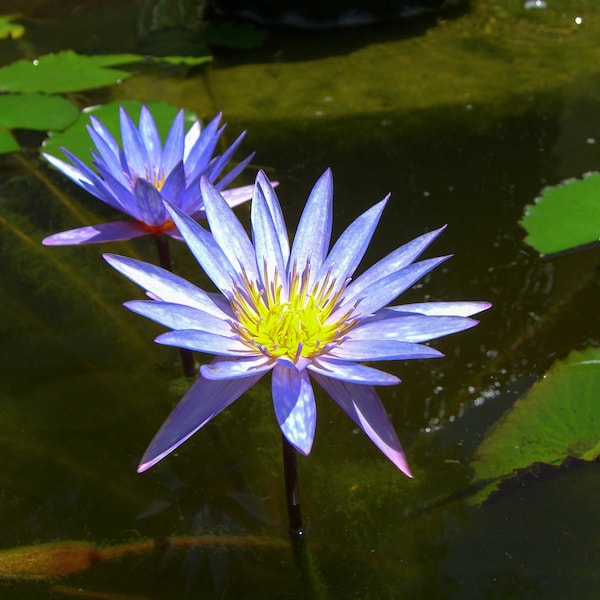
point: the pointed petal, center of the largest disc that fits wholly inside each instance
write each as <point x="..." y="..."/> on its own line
<point x="203" y="401"/>
<point x="233" y="173"/>
<point x="167" y="286"/>
<point x="204" y="247"/>
<point x="151" y="139"/>
<point x="173" y="149"/>
<point x="76" y="175"/>
<point x="191" y="199"/>
<point x="197" y="155"/>
<point x="458" y="309"/>
<point x="80" y="174"/>
<point x="363" y="406"/>
<point x="123" y="195"/>
<point x="191" y="137"/>
<point x="409" y="327"/>
<point x="202" y="341"/>
<point x="178" y="316"/>
<point x="361" y="350"/>
<point x="133" y="146"/>
<point x="351" y="246"/>
<point x="313" y="233"/>
<point x="396" y="260"/>
<point x="266" y="239"/>
<point x="107" y="154"/>
<point x="100" y="128"/>
<point x="224" y="159"/>
<point x="149" y="203"/>
<point x="223" y="368"/>
<point x="117" y="231"/>
<point x="174" y="185"/>
<point x="238" y="195"/>
<point x="295" y="409"/>
<point x="352" y="372"/>
<point x="228" y="232"/>
<point x="268" y="189"/>
<point x="387" y="289"/>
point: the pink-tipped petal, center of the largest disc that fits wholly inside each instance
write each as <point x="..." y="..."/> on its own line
<point x="117" y="231"/>
<point x="362" y="404"/>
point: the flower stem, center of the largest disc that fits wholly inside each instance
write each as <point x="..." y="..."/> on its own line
<point x="292" y="493"/>
<point x="164" y="257"/>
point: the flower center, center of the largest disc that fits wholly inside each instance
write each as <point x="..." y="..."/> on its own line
<point x="299" y="325"/>
<point x="158" y="180"/>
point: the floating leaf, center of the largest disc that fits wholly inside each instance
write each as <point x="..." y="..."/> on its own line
<point x="76" y="138"/>
<point x="7" y="142"/>
<point x="564" y="216"/>
<point x="36" y="111"/>
<point x="8" y="29"/>
<point x="559" y="417"/>
<point x="63" y="72"/>
<point x="535" y="473"/>
<point x="190" y="61"/>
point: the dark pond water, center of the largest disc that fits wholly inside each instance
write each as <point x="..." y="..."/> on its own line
<point x="465" y="120"/>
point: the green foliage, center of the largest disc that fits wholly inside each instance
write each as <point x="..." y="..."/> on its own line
<point x="8" y="29"/>
<point x="31" y="107"/>
<point x="7" y="142"/>
<point x="559" y="417"/>
<point x="565" y="216"/>
<point x="63" y="72"/>
<point x="32" y="111"/>
<point x="76" y="137"/>
<point x="36" y="111"/>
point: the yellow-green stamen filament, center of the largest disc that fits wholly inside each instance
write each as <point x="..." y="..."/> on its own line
<point x="294" y="325"/>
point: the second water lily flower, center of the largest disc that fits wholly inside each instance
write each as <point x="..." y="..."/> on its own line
<point x="293" y="311"/>
<point x="138" y="175"/>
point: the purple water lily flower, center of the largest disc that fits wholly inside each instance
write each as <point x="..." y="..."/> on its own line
<point x="293" y="311"/>
<point x="136" y="177"/>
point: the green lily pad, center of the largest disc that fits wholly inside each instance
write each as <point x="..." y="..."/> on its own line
<point x="557" y="418"/>
<point x="8" y="29"/>
<point x="77" y="139"/>
<point x="7" y="142"/>
<point x="564" y="216"/>
<point x="36" y="111"/>
<point x="63" y="72"/>
<point x="190" y="61"/>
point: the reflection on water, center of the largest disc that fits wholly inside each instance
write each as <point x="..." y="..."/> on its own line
<point x="84" y="388"/>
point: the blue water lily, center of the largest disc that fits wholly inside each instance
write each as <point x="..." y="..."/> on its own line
<point x="137" y="176"/>
<point x="294" y="311"/>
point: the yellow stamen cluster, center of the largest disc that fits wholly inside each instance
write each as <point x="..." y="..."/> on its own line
<point x="293" y="325"/>
<point x="158" y="182"/>
<point x="156" y="179"/>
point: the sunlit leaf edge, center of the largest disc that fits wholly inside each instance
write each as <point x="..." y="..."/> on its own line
<point x="64" y="71"/>
<point x="11" y="30"/>
<point x="558" y="417"/>
<point x="184" y="60"/>
<point x="564" y="216"/>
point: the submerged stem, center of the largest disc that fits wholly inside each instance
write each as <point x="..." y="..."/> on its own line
<point x="292" y="493"/>
<point x="164" y="257"/>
